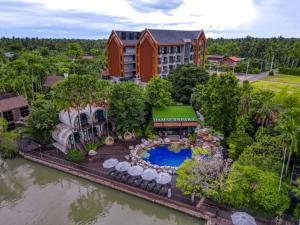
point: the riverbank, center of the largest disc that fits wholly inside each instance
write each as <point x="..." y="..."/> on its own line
<point x="34" y="194"/>
<point x="91" y="170"/>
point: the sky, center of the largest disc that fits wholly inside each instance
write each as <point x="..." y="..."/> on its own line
<point x="94" y="19"/>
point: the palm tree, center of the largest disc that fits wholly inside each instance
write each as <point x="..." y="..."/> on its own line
<point x="63" y="101"/>
<point x="91" y="95"/>
<point x="289" y="135"/>
<point x="103" y="92"/>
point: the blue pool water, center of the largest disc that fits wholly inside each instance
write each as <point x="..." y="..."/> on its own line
<point x="162" y="156"/>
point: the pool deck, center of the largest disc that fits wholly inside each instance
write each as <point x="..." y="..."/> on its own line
<point x="91" y="169"/>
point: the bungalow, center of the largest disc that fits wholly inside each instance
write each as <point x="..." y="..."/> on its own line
<point x="231" y="61"/>
<point x="174" y="120"/>
<point x="215" y="59"/>
<point x="13" y="108"/>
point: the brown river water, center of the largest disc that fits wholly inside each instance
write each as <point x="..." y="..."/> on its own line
<point x="32" y="194"/>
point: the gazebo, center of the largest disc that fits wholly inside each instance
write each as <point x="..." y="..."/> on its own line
<point x="175" y="120"/>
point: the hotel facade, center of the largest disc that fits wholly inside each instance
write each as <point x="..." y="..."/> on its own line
<point x="153" y="52"/>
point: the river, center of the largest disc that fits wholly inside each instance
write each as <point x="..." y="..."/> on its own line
<point x="32" y="194"/>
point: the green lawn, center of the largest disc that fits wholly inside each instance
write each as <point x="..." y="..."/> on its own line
<point x="174" y="113"/>
<point x="278" y="82"/>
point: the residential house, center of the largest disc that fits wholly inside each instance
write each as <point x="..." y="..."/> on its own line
<point x="13" y="108"/>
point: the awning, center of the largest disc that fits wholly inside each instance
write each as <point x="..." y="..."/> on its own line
<point x="175" y="124"/>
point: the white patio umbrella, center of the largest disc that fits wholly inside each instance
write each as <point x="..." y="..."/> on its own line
<point x="123" y="166"/>
<point x="163" y="178"/>
<point x="149" y="174"/>
<point x="135" y="171"/>
<point x="110" y="163"/>
<point x="242" y="218"/>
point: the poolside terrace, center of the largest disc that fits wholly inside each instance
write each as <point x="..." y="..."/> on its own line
<point x="92" y="169"/>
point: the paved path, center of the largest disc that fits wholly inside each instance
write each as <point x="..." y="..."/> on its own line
<point x="252" y="77"/>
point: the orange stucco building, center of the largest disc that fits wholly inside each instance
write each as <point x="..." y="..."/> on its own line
<point x="153" y="52"/>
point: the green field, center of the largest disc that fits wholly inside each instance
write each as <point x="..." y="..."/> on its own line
<point x="278" y="82"/>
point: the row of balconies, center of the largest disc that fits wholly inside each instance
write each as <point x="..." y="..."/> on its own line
<point x="169" y="49"/>
<point x="129" y="51"/>
<point x="170" y="59"/>
<point x="166" y="69"/>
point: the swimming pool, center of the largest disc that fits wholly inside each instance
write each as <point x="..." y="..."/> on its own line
<point x="162" y="156"/>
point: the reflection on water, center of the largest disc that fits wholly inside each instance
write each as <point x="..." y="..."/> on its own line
<point x="36" y="195"/>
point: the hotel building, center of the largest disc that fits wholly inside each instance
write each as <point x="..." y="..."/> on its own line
<point x="152" y="51"/>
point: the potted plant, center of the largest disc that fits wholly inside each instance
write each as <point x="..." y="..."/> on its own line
<point x="127" y="136"/>
<point x="109" y="140"/>
<point x="91" y="147"/>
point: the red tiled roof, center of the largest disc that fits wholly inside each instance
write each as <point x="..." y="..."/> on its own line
<point x="233" y="58"/>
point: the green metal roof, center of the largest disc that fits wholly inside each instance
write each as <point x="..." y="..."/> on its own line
<point x="184" y="113"/>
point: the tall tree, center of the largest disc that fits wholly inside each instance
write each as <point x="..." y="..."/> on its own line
<point x="218" y="101"/>
<point x="127" y="107"/>
<point x="184" y="79"/>
<point x="158" y="92"/>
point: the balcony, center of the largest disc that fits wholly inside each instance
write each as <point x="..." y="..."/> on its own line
<point x="129" y="51"/>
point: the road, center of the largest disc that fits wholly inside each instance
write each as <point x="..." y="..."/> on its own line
<point x="252" y="77"/>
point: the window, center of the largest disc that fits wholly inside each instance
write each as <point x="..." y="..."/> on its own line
<point x="131" y="36"/>
<point x="178" y="59"/>
<point x="165" y="60"/>
<point x="123" y="35"/>
<point x="8" y="115"/>
<point x="191" y="57"/>
<point x="11" y="126"/>
<point x="24" y="111"/>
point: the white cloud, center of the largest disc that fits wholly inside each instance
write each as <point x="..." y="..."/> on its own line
<point x="89" y="18"/>
<point x="192" y="14"/>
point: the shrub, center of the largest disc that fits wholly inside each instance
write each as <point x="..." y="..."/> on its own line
<point x="74" y="155"/>
<point x="91" y="146"/>
<point x="192" y="137"/>
<point x="199" y="151"/>
<point x="271" y="73"/>
<point x="291" y="71"/>
<point x="152" y="137"/>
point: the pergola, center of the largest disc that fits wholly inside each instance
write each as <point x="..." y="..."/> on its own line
<point x="175" y="119"/>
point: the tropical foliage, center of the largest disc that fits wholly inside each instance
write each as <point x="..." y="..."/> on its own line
<point x="8" y="140"/>
<point x="158" y="92"/>
<point x="184" y="79"/>
<point x="127" y="105"/>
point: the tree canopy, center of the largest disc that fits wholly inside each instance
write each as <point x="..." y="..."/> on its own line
<point x="184" y="79"/>
<point x="158" y="92"/>
<point x="126" y="107"/>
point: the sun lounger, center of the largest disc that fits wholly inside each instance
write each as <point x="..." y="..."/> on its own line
<point x="131" y="180"/>
<point x="137" y="182"/>
<point x="151" y="185"/>
<point x="125" y="178"/>
<point x="144" y="184"/>
<point x="157" y="188"/>
<point x="163" y="191"/>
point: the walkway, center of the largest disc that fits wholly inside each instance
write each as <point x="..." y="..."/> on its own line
<point x="92" y="170"/>
<point x="252" y="77"/>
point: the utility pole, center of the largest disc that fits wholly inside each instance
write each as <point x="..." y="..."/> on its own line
<point x="247" y="67"/>
<point x="271" y="66"/>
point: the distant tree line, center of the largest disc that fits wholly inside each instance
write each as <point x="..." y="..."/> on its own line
<point x="284" y="52"/>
